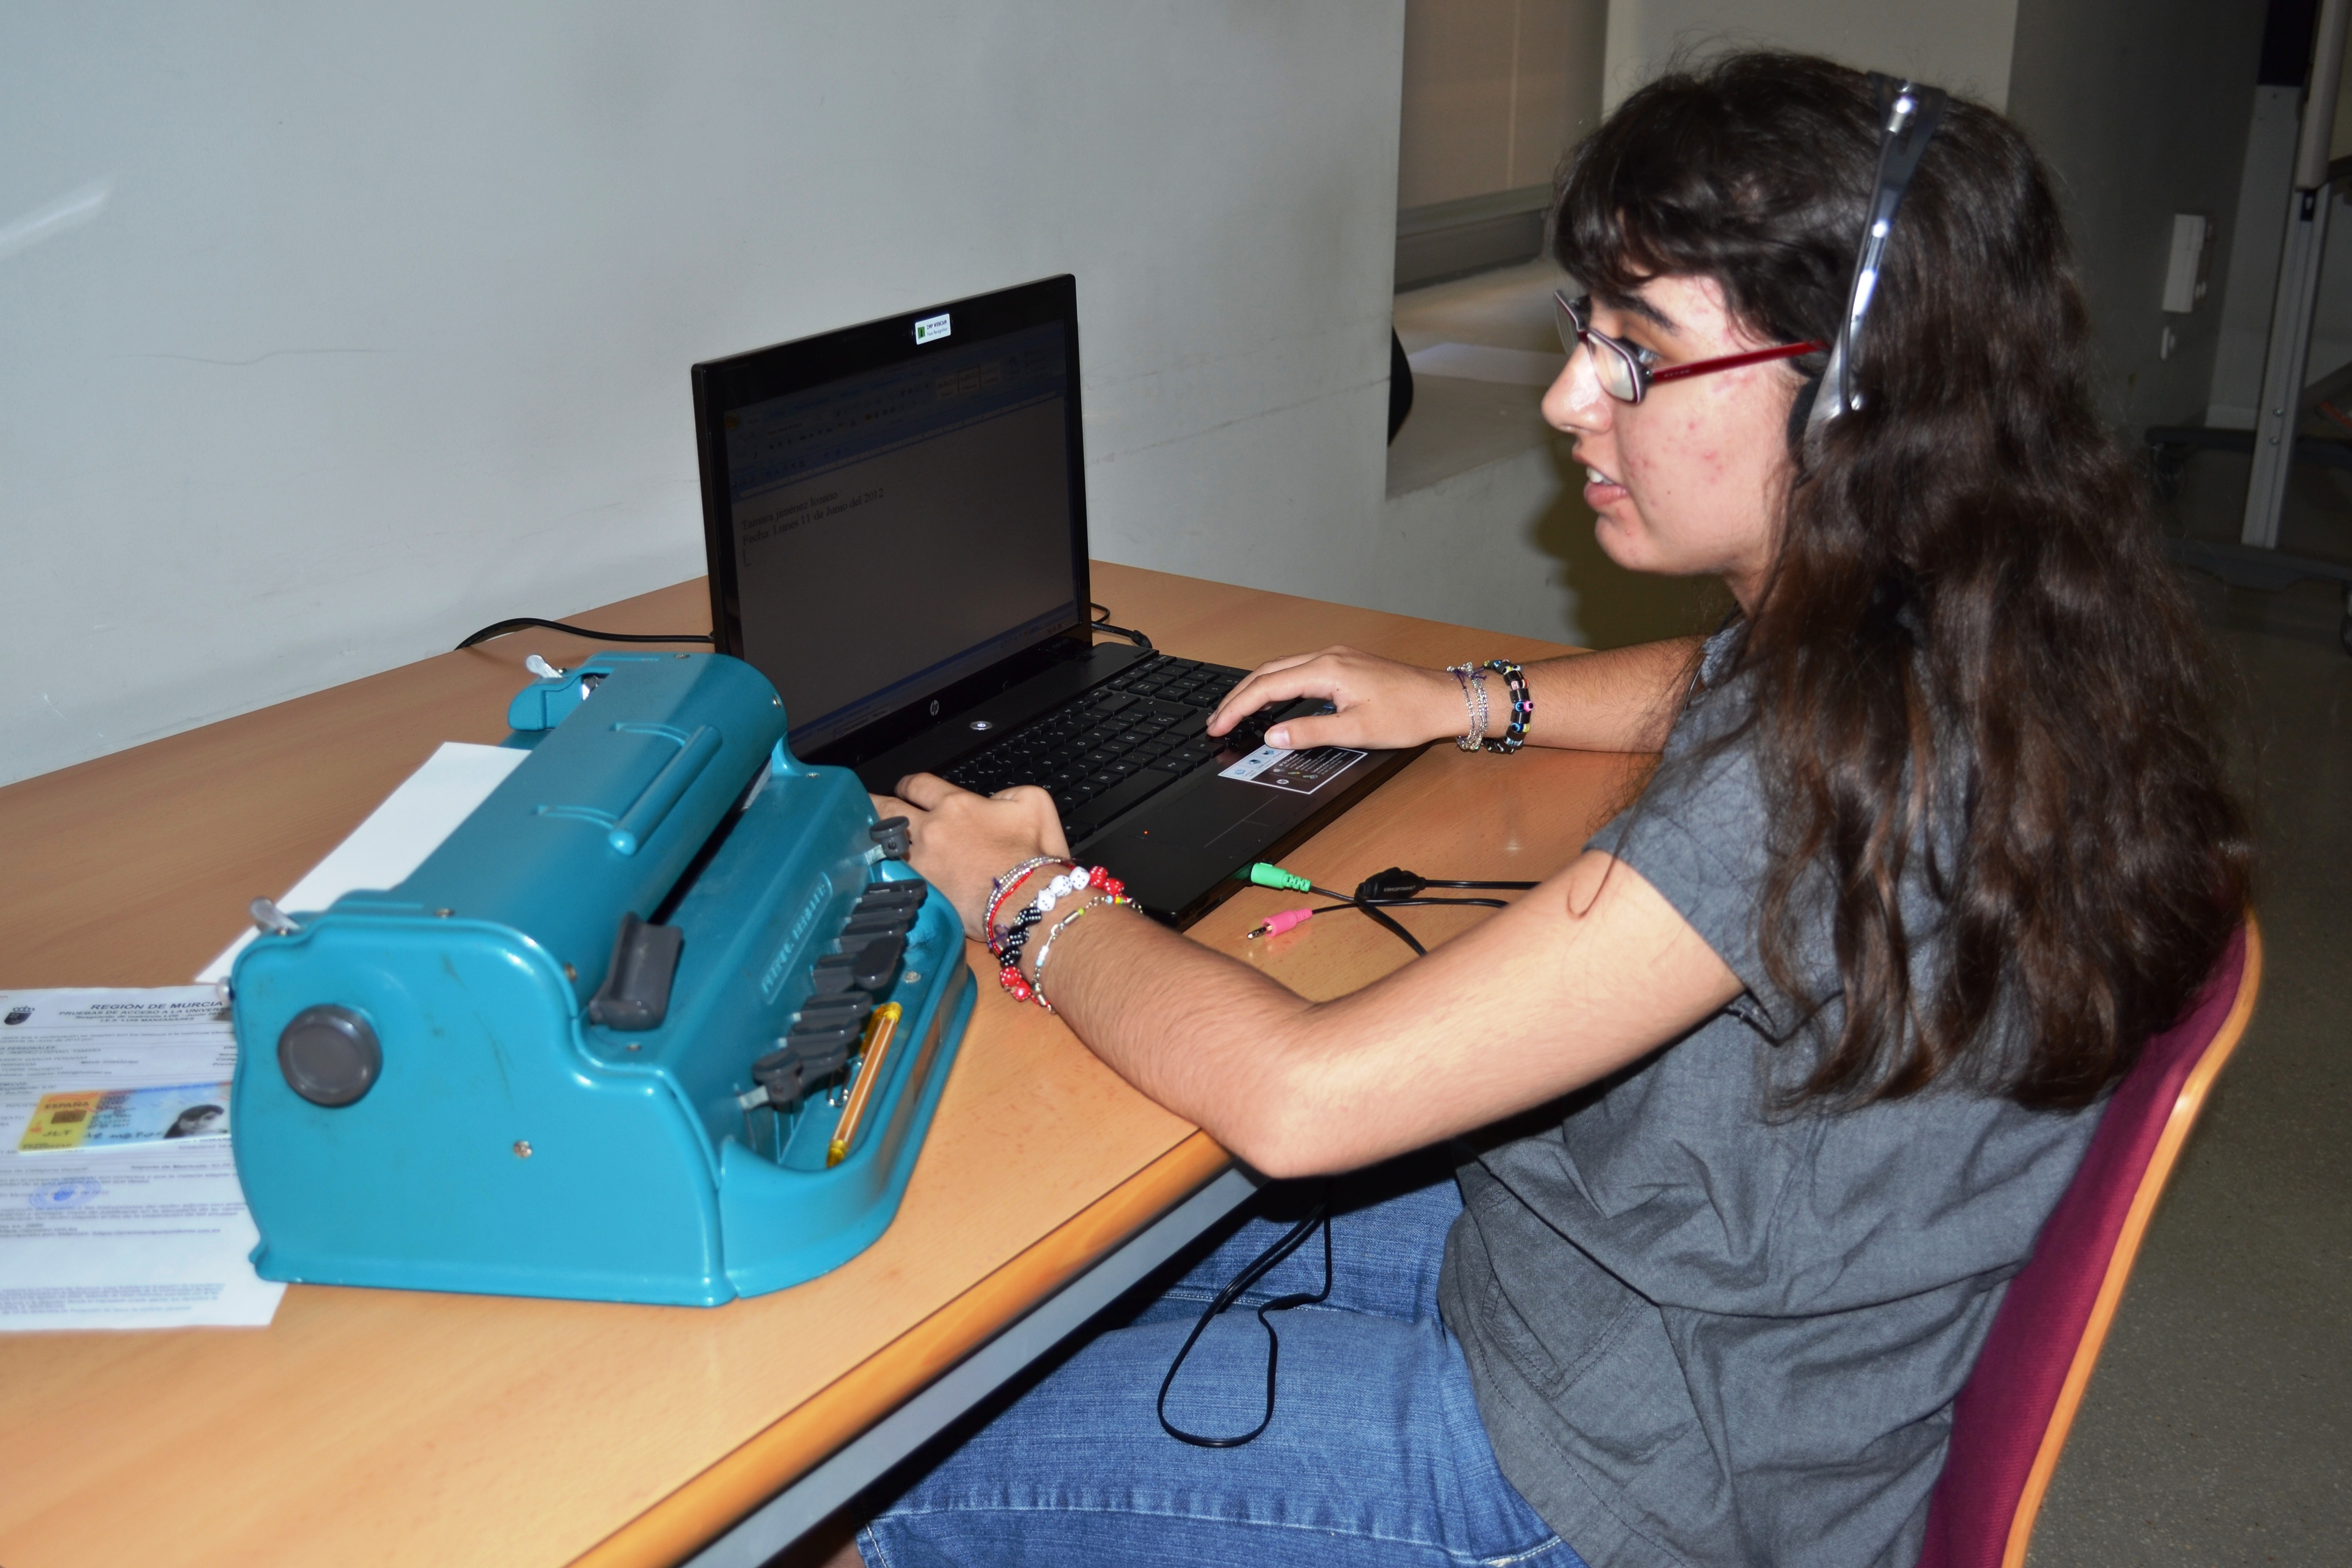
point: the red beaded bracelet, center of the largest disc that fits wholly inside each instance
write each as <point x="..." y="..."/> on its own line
<point x="1007" y="949"/>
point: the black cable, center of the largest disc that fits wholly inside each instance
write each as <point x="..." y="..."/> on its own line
<point x="1374" y="908"/>
<point x="1434" y="903"/>
<point x="500" y="629"/>
<point x="1396" y="882"/>
<point x="1377" y="913"/>
<point x="1101" y="623"/>
<point x="1397" y="888"/>
<point x="1259" y="1267"/>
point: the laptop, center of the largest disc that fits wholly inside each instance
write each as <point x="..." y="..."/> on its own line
<point x="896" y="518"/>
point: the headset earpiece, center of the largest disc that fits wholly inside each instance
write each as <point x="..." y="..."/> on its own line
<point x="1910" y="114"/>
<point x="1800" y="414"/>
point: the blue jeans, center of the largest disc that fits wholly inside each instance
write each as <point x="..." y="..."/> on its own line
<point x="1375" y="1454"/>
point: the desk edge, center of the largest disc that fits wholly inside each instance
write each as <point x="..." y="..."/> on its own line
<point x="797" y="1442"/>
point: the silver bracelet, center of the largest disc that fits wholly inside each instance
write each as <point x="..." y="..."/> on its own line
<point x="1473" y="679"/>
<point x="1045" y="950"/>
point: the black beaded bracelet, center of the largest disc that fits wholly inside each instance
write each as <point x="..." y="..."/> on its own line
<point x="1008" y="943"/>
<point x="1523" y="706"/>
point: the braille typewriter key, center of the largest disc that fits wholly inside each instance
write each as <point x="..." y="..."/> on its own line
<point x="821" y="1052"/>
<point x="876" y="962"/>
<point x="786" y="1073"/>
<point x="831" y="975"/>
<point x="874" y="923"/>
<point x="893" y="894"/>
<point x="824" y="1012"/>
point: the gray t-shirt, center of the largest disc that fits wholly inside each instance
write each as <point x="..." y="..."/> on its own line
<point x="1702" y="1333"/>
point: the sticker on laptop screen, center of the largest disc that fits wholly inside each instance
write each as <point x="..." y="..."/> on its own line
<point x="931" y="327"/>
<point x="1300" y="772"/>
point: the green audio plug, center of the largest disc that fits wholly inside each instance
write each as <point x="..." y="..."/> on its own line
<point x="1267" y="875"/>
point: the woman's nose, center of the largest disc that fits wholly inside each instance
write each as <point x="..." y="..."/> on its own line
<point x="1575" y="400"/>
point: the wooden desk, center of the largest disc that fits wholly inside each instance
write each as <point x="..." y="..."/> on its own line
<point x="386" y="1427"/>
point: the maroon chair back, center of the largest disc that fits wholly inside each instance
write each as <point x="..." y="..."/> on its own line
<point x="2012" y="1416"/>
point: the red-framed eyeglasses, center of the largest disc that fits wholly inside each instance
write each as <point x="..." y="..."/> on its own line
<point x="1619" y="366"/>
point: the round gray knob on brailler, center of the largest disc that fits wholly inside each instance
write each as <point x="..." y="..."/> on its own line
<point x="330" y="1054"/>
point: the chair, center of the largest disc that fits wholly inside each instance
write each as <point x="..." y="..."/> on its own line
<point x="2012" y="1415"/>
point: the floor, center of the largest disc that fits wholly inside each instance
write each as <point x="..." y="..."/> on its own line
<point x="2217" y="1429"/>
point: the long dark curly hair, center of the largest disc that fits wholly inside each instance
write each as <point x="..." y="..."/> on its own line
<point x="1970" y="637"/>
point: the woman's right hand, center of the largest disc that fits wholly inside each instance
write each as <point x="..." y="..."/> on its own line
<point x="1382" y="704"/>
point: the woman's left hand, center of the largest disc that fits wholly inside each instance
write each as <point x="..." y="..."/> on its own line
<point x="964" y="842"/>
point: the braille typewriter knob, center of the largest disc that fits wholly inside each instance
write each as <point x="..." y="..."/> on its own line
<point x="330" y="1054"/>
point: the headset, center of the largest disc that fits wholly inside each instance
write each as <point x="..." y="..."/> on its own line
<point x="1908" y="115"/>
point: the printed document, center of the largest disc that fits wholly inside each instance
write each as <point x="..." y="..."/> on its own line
<point x="120" y="1206"/>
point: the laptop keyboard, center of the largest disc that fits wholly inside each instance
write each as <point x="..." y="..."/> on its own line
<point x="1119" y="743"/>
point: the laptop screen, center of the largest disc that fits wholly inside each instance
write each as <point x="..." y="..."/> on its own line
<point x="897" y="506"/>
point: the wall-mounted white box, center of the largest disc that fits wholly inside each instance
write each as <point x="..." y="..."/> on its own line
<point x="2190" y="270"/>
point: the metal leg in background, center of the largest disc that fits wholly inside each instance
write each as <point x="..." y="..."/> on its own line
<point x="2282" y="368"/>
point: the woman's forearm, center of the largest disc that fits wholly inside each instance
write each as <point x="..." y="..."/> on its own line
<point x="1621" y="700"/>
<point x="1583" y="974"/>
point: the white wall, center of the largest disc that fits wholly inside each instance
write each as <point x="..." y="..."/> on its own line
<point x="1495" y="91"/>
<point x="335" y="332"/>
<point x="1961" y="45"/>
<point x="2142" y="109"/>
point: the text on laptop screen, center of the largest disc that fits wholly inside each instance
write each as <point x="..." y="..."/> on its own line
<point x="898" y="530"/>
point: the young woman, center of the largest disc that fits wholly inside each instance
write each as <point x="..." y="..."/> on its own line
<point x="1801" y="1052"/>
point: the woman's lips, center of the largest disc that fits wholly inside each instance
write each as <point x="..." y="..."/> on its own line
<point x="1600" y="489"/>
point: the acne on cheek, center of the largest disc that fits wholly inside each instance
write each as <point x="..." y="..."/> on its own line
<point x="1696" y="453"/>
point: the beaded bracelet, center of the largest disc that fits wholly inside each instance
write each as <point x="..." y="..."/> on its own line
<point x="1523" y="706"/>
<point x="1045" y="950"/>
<point x="1008" y="947"/>
<point x="1472" y="679"/>
<point x="1006" y="884"/>
<point x="1077" y="879"/>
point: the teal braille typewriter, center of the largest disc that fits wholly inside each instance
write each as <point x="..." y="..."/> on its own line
<point x="664" y="1019"/>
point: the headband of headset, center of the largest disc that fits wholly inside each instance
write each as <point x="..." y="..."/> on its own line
<point x="1908" y="115"/>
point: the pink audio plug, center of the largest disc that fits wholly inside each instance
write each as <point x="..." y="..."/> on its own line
<point x="1289" y="919"/>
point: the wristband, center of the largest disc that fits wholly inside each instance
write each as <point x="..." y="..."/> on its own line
<point x="1523" y="706"/>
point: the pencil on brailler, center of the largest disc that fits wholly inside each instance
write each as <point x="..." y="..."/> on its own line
<point x="880" y="1030"/>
